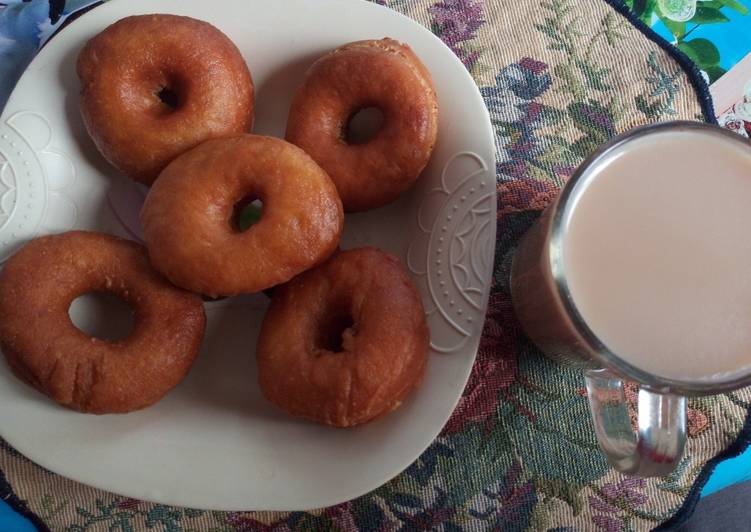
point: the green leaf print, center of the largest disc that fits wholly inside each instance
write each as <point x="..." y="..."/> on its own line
<point x="596" y="77"/>
<point x="678" y="29"/>
<point x="563" y="491"/>
<point x="83" y="513"/>
<point x="700" y="51"/>
<point x="491" y="449"/>
<point x="551" y="445"/>
<point x="164" y="516"/>
<point x="709" y="15"/>
<point x="643" y="9"/>
<point x="714" y="72"/>
<point x="735" y="6"/>
<point x="659" y="101"/>
<point x="51" y="507"/>
<point x="367" y="513"/>
<point x="595" y="121"/>
<point x="613" y="26"/>
<point x="705" y="55"/>
<point x="674" y="482"/>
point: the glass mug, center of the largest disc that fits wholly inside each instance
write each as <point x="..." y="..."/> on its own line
<point x="551" y="316"/>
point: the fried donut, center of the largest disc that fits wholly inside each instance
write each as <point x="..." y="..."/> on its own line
<point x="154" y="86"/>
<point x="46" y="350"/>
<point x="188" y="216"/>
<point x="344" y="343"/>
<point x="383" y="74"/>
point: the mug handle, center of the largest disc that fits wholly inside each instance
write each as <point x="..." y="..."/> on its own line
<point x="658" y="445"/>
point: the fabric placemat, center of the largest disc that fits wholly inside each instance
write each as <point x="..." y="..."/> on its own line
<point x="559" y="77"/>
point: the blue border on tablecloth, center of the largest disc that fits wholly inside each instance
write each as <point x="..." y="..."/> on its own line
<point x="744" y="437"/>
<point x="8" y="496"/>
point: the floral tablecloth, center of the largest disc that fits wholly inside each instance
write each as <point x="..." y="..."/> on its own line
<point x="559" y="77"/>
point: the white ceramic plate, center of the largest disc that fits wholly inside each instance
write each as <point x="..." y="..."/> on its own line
<point x="214" y="442"/>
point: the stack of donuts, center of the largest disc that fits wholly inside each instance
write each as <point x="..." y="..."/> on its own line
<point x="344" y="340"/>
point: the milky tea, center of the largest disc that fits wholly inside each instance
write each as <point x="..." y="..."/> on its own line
<point x="654" y="253"/>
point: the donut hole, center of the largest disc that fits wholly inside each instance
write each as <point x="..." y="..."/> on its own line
<point x="168" y="97"/>
<point x="363" y="125"/>
<point x="212" y="299"/>
<point x="102" y="315"/>
<point x="169" y="90"/>
<point x="246" y="213"/>
<point x="333" y="330"/>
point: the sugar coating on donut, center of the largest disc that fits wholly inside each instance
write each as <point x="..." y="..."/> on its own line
<point x="346" y="342"/>
<point x="154" y="86"/>
<point x="47" y="351"/>
<point x="376" y="73"/>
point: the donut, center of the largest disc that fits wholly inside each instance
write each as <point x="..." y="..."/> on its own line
<point x="383" y="74"/>
<point x="154" y="86"/>
<point x="344" y="343"/>
<point x="189" y="226"/>
<point x="46" y="350"/>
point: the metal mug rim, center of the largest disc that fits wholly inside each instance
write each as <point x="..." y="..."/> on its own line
<point x="603" y="355"/>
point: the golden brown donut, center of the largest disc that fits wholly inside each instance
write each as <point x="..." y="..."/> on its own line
<point x="344" y="343"/>
<point x="45" y="349"/>
<point x="188" y="216"/>
<point x="383" y="74"/>
<point x="154" y="86"/>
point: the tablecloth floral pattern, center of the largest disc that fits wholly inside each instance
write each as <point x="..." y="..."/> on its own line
<point x="519" y="452"/>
